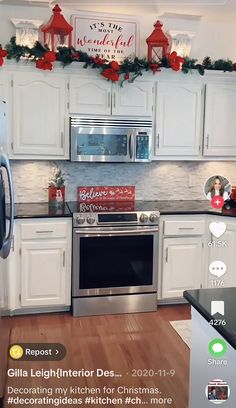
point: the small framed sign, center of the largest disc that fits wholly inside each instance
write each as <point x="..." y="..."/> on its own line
<point x="109" y="36"/>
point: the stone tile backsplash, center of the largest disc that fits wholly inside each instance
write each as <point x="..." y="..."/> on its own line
<point x="153" y="181"/>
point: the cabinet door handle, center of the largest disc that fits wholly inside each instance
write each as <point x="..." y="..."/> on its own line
<point x="158" y="140"/>
<point x="166" y="254"/>
<point x="62" y="139"/>
<point x="207" y="140"/>
<point x="43" y="232"/>
<point x="13" y="243"/>
<point x="109" y="99"/>
<point x="64" y="258"/>
<point x="186" y="228"/>
<point x="114" y="100"/>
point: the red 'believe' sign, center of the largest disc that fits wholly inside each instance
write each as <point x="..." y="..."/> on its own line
<point x="106" y="193"/>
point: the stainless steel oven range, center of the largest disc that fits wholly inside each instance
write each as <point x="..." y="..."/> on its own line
<point x="114" y="262"/>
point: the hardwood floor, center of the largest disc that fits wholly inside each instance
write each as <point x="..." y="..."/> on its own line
<point x="119" y="343"/>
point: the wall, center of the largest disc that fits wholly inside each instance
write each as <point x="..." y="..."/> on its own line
<point x="216" y="25"/>
<point x="153" y="181"/>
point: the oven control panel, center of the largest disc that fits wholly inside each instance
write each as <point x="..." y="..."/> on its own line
<point x="116" y="218"/>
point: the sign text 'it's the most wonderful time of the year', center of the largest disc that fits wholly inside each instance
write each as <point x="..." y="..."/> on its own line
<point x="111" y="38"/>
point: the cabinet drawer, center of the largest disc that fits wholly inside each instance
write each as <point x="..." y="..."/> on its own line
<point x="185" y="227"/>
<point x="43" y="230"/>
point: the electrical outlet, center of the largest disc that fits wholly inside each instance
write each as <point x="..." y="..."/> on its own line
<point x="191" y="180"/>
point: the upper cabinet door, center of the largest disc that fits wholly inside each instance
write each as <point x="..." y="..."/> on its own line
<point x="133" y="99"/>
<point x="178" y="124"/>
<point x="39" y="110"/>
<point x="220" y="123"/>
<point x="90" y="96"/>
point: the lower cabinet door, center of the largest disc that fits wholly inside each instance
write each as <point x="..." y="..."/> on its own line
<point x="182" y="265"/>
<point x="43" y="273"/>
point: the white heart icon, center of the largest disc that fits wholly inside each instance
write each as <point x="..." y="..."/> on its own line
<point x="217" y="228"/>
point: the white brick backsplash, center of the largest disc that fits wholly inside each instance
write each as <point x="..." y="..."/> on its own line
<point x="153" y="181"/>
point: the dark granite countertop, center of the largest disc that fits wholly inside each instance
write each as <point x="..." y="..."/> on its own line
<point x="171" y="207"/>
<point x="41" y="210"/>
<point x="201" y="299"/>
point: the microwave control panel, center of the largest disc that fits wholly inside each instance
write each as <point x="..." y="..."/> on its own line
<point x="142" y="146"/>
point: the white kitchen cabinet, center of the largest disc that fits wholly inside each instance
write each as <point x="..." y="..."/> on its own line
<point x="178" y="123"/>
<point x="39" y="113"/>
<point x="220" y="124"/>
<point x="43" y="272"/>
<point x="95" y="96"/>
<point x="182" y="265"/>
<point x="40" y="265"/>
<point x="226" y="254"/>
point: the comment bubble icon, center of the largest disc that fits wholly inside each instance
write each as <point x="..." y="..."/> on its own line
<point x="217" y="268"/>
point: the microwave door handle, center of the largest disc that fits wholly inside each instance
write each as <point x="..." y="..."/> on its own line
<point x="7" y="242"/>
<point x="131" y="146"/>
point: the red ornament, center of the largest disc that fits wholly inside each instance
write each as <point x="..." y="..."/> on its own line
<point x="3" y="54"/>
<point x="98" y="60"/>
<point x="115" y="66"/>
<point x="155" y="68"/>
<point x="111" y="74"/>
<point x="57" y="32"/>
<point x="157" y="43"/>
<point x="46" y="61"/>
<point x="175" y="61"/>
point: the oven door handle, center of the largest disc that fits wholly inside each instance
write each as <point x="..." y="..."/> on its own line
<point x="118" y="232"/>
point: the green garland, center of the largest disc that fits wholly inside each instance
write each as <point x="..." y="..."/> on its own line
<point x="129" y="69"/>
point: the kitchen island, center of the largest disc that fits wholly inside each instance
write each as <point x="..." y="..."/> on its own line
<point x="212" y="372"/>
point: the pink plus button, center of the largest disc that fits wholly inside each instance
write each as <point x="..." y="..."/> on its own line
<point x="217" y="202"/>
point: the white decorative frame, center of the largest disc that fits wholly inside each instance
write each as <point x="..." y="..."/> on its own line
<point x="26" y="31"/>
<point x="181" y="42"/>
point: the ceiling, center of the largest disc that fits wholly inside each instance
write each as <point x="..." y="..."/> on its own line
<point x="160" y="7"/>
<point x="77" y="3"/>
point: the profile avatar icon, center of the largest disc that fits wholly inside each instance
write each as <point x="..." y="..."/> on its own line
<point x="217" y="186"/>
<point x="217" y="189"/>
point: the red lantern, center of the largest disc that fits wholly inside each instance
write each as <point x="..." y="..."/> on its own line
<point x="57" y="32"/>
<point x="157" y="43"/>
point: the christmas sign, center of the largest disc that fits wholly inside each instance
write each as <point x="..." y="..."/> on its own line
<point x="106" y="36"/>
<point x="106" y="193"/>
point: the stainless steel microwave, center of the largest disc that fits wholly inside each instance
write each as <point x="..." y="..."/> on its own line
<point x="110" y="139"/>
